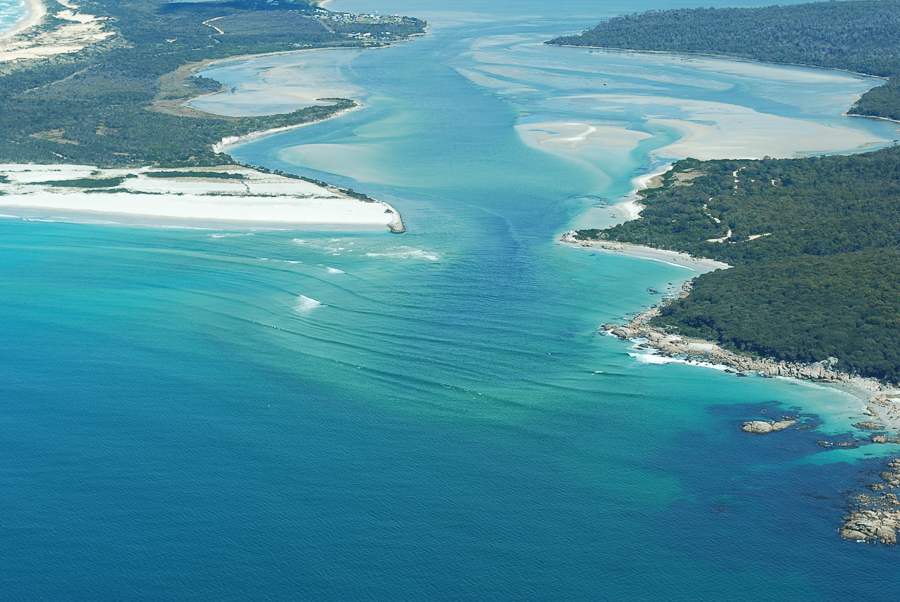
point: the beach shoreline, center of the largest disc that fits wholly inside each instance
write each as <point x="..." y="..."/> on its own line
<point x="705" y="352"/>
<point x="231" y="141"/>
<point x="709" y="353"/>
<point x="698" y="265"/>
<point x="230" y="196"/>
<point x="631" y="207"/>
<point x="36" y="12"/>
<point x="670" y="345"/>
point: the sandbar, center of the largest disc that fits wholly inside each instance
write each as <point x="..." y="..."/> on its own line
<point x="714" y="130"/>
<point x="281" y="82"/>
<point x="234" y="195"/>
<point x="575" y="135"/>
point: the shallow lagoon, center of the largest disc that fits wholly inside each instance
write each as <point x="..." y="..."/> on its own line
<point x="212" y="414"/>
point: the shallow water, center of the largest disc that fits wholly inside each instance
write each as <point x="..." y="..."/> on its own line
<point x="266" y="414"/>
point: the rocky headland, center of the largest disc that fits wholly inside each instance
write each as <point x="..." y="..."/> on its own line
<point x="874" y="516"/>
<point x="674" y="345"/>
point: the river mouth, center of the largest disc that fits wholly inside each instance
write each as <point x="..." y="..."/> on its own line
<point x="333" y="415"/>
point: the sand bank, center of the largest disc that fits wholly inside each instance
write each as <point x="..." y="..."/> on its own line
<point x="714" y="130"/>
<point x="248" y="197"/>
<point x="272" y="83"/>
<point x="572" y="136"/>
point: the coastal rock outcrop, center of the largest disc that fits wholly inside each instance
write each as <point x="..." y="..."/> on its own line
<point x="762" y="427"/>
<point x="672" y="345"/>
<point x="875" y="518"/>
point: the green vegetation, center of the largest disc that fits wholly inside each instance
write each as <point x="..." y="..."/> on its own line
<point x="816" y="247"/>
<point x="195" y="174"/>
<point x="815" y="242"/>
<point x="119" y="103"/>
<point x="861" y="36"/>
<point x="804" y="309"/>
<point x="86" y="183"/>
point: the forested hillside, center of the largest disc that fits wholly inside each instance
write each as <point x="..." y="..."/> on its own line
<point x="816" y="241"/>
<point x="816" y="247"/>
<point x="861" y="36"/>
<point x="93" y="107"/>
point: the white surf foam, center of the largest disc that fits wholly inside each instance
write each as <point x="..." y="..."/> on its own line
<point x="278" y="260"/>
<point x="306" y="243"/>
<point x="649" y="358"/>
<point x="305" y="305"/>
<point x="407" y="254"/>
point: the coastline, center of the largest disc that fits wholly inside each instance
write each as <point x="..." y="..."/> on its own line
<point x="232" y="196"/>
<point x="36" y="12"/>
<point x="717" y="56"/>
<point x="700" y="351"/>
<point x="847" y="114"/>
<point x="631" y="207"/>
<point x="232" y="141"/>
<point x="670" y="345"/>
<point x="698" y="265"/>
<point x="264" y="199"/>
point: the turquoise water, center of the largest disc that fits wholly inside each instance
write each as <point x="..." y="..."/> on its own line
<point x="11" y="12"/>
<point x="228" y="415"/>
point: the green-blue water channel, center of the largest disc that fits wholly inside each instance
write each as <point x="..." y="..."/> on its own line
<point x="272" y="414"/>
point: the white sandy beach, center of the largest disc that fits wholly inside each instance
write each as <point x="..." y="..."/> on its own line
<point x="78" y="31"/>
<point x="258" y="199"/>
<point x="36" y="12"/>
<point x="674" y="258"/>
<point x="254" y="199"/>
<point x="230" y="141"/>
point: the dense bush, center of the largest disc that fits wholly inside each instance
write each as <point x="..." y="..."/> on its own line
<point x="816" y="245"/>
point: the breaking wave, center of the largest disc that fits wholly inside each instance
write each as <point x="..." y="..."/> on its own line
<point x="407" y="254"/>
<point x="306" y="305"/>
<point x="229" y="234"/>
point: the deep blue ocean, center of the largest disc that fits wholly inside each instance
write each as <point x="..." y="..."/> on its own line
<point x="208" y="414"/>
